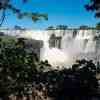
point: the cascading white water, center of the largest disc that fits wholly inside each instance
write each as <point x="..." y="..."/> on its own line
<point x="83" y="42"/>
<point x="55" y="56"/>
<point x="74" y="45"/>
<point x="72" y="48"/>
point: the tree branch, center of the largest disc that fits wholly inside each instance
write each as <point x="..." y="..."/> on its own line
<point x="2" y="17"/>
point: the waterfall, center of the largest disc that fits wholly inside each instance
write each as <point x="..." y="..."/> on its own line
<point x="63" y="47"/>
<point x="75" y="44"/>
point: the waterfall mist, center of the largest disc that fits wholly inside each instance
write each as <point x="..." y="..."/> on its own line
<point x="72" y="46"/>
<point x="67" y="46"/>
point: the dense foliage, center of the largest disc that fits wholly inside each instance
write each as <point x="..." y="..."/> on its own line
<point x="98" y="26"/>
<point x="94" y="5"/>
<point x="7" y="5"/>
<point x="23" y="75"/>
<point x="16" y="67"/>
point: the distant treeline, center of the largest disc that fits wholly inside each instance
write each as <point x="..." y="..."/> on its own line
<point x="65" y="27"/>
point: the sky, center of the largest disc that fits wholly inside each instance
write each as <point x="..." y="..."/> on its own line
<point x="60" y="12"/>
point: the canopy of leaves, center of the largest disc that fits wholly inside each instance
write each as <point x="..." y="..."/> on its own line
<point x="5" y="4"/>
<point x="94" y="5"/>
<point x="98" y="26"/>
<point x="16" y="67"/>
